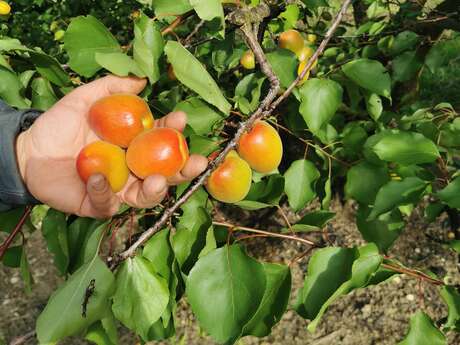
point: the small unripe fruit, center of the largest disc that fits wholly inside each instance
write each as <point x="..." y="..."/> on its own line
<point x="162" y="151"/>
<point x="231" y="180"/>
<point x="119" y="118"/>
<point x="311" y="38"/>
<point x="103" y="158"/>
<point x="305" y="53"/>
<point x="5" y="8"/>
<point x="59" y="35"/>
<point x="261" y="147"/>
<point x="291" y="40"/>
<point x="302" y="66"/>
<point x="248" y="60"/>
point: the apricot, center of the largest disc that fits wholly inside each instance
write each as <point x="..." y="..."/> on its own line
<point x="305" y="53"/>
<point x="5" y="8"/>
<point x="162" y="151"/>
<point x="231" y="180"/>
<point x="291" y="40"/>
<point x="103" y="158"/>
<point x="248" y="60"/>
<point x="119" y="118"/>
<point x="261" y="147"/>
<point x="311" y="38"/>
<point x="302" y="65"/>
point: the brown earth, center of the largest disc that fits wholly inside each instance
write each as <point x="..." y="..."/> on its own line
<point x="376" y="315"/>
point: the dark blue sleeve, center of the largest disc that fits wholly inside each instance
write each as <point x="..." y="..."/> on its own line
<point x="13" y="192"/>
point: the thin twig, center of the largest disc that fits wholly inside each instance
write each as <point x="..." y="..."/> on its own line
<point x="194" y="32"/>
<point x="413" y="273"/>
<point x="17" y="229"/>
<point x="265" y="108"/>
<point x="23" y="339"/>
<point x="170" y="28"/>
<point x="265" y="233"/>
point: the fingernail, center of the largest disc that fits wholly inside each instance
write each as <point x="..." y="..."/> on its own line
<point x="98" y="183"/>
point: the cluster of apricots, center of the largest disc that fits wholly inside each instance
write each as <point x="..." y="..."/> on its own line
<point x="5" y="8"/>
<point x="259" y="149"/>
<point x="124" y="121"/>
<point x="291" y="40"/>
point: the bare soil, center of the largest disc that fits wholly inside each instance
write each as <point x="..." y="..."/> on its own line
<point x="376" y="315"/>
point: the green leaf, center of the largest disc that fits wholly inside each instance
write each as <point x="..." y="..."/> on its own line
<point x="313" y="4"/>
<point x="451" y="194"/>
<point x="148" y="47"/>
<point x="333" y="273"/>
<point x="200" y="116"/>
<point x="406" y="66"/>
<point x="85" y="37"/>
<point x="370" y="75"/>
<point x="25" y="273"/>
<point x="190" y="72"/>
<point x="374" y="175"/>
<point x="312" y="221"/>
<point x="169" y="8"/>
<point x="12" y="256"/>
<point x="249" y="88"/>
<point x="451" y="297"/>
<point x="103" y="332"/>
<point x="405" y="148"/>
<point x="9" y="219"/>
<point x="141" y="295"/>
<point x="397" y="193"/>
<point x="119" y="64"/>
<point x="251" y="205"/>
<point x="84" y="236"/>
<point x="49" y="68"/>
<point x="62" y="315"/>
<point x="54" y="229"/>
<point x="202" y="145"/>
<point x="234" y="279"/>
<point x="209" y="9"/>
<point x="383" y="230"/>
<point x="274" y="301"/>
<point x="406" y="40"/>
<point x="422" y="331"/>
<point x="284" y="64"/>
<point x="300" y="180"/>
<point x="374" y="106"/>
<point x="159" y="252"/>
<point x="43" y="96"/>
<point x="441" y="53"/>
<point x="11" y="89"/>
<point x="320" y="99"/>
<point x="190" y="238"/>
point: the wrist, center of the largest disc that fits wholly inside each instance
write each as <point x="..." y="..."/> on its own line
<point x="21" y="154"/>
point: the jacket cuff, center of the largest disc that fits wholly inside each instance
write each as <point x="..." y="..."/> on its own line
<point x="13" y="191"/>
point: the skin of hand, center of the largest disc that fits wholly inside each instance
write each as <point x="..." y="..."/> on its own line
<point x="47" y="151"/>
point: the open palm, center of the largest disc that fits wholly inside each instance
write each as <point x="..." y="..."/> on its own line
<point x="47" y="152"/>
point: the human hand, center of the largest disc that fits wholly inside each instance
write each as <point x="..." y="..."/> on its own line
<point x="47" y="151"/>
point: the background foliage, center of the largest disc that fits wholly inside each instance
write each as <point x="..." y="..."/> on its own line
<point x="377" y="123"/>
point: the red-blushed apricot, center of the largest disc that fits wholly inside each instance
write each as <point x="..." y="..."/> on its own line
<point x="162" y="151"/>
<point x="231" y="180"/>
<point x="119" y="118"/>
<point x="291" y="40"/>
<point x="248" y="60"/>
<point x="261" y="147"/>
<point x="103" y="158"/>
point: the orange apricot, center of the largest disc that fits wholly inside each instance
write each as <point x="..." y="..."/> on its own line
<point x="291" y="40"/>
<point x="261" y="147"/>
<point x="103" y="158"/>
<point x="248" y="60"/>
<point x="231" y="180"/>
<point x="119" y="118"/>
<point x="162" y="151"/>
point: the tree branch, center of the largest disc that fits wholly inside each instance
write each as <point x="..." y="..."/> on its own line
<point x="17" y="229"/>
<point x="265" y="108"/>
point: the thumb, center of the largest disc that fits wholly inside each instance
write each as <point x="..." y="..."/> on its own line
<point x="104" y="202"/>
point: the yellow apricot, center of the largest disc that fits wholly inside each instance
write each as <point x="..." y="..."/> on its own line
<point x="305" y="53"/>
<point x="5" y="8"/>
<point x="311" y="38"/>
<point x="261" y="147"/>
<point x="103" y="158"/>
<point x="231" y="180"/>
<point x="248" y="60"/>
<point x="302" y="66"/>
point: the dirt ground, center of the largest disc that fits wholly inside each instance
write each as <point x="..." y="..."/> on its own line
<point x="374" y="316"/>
